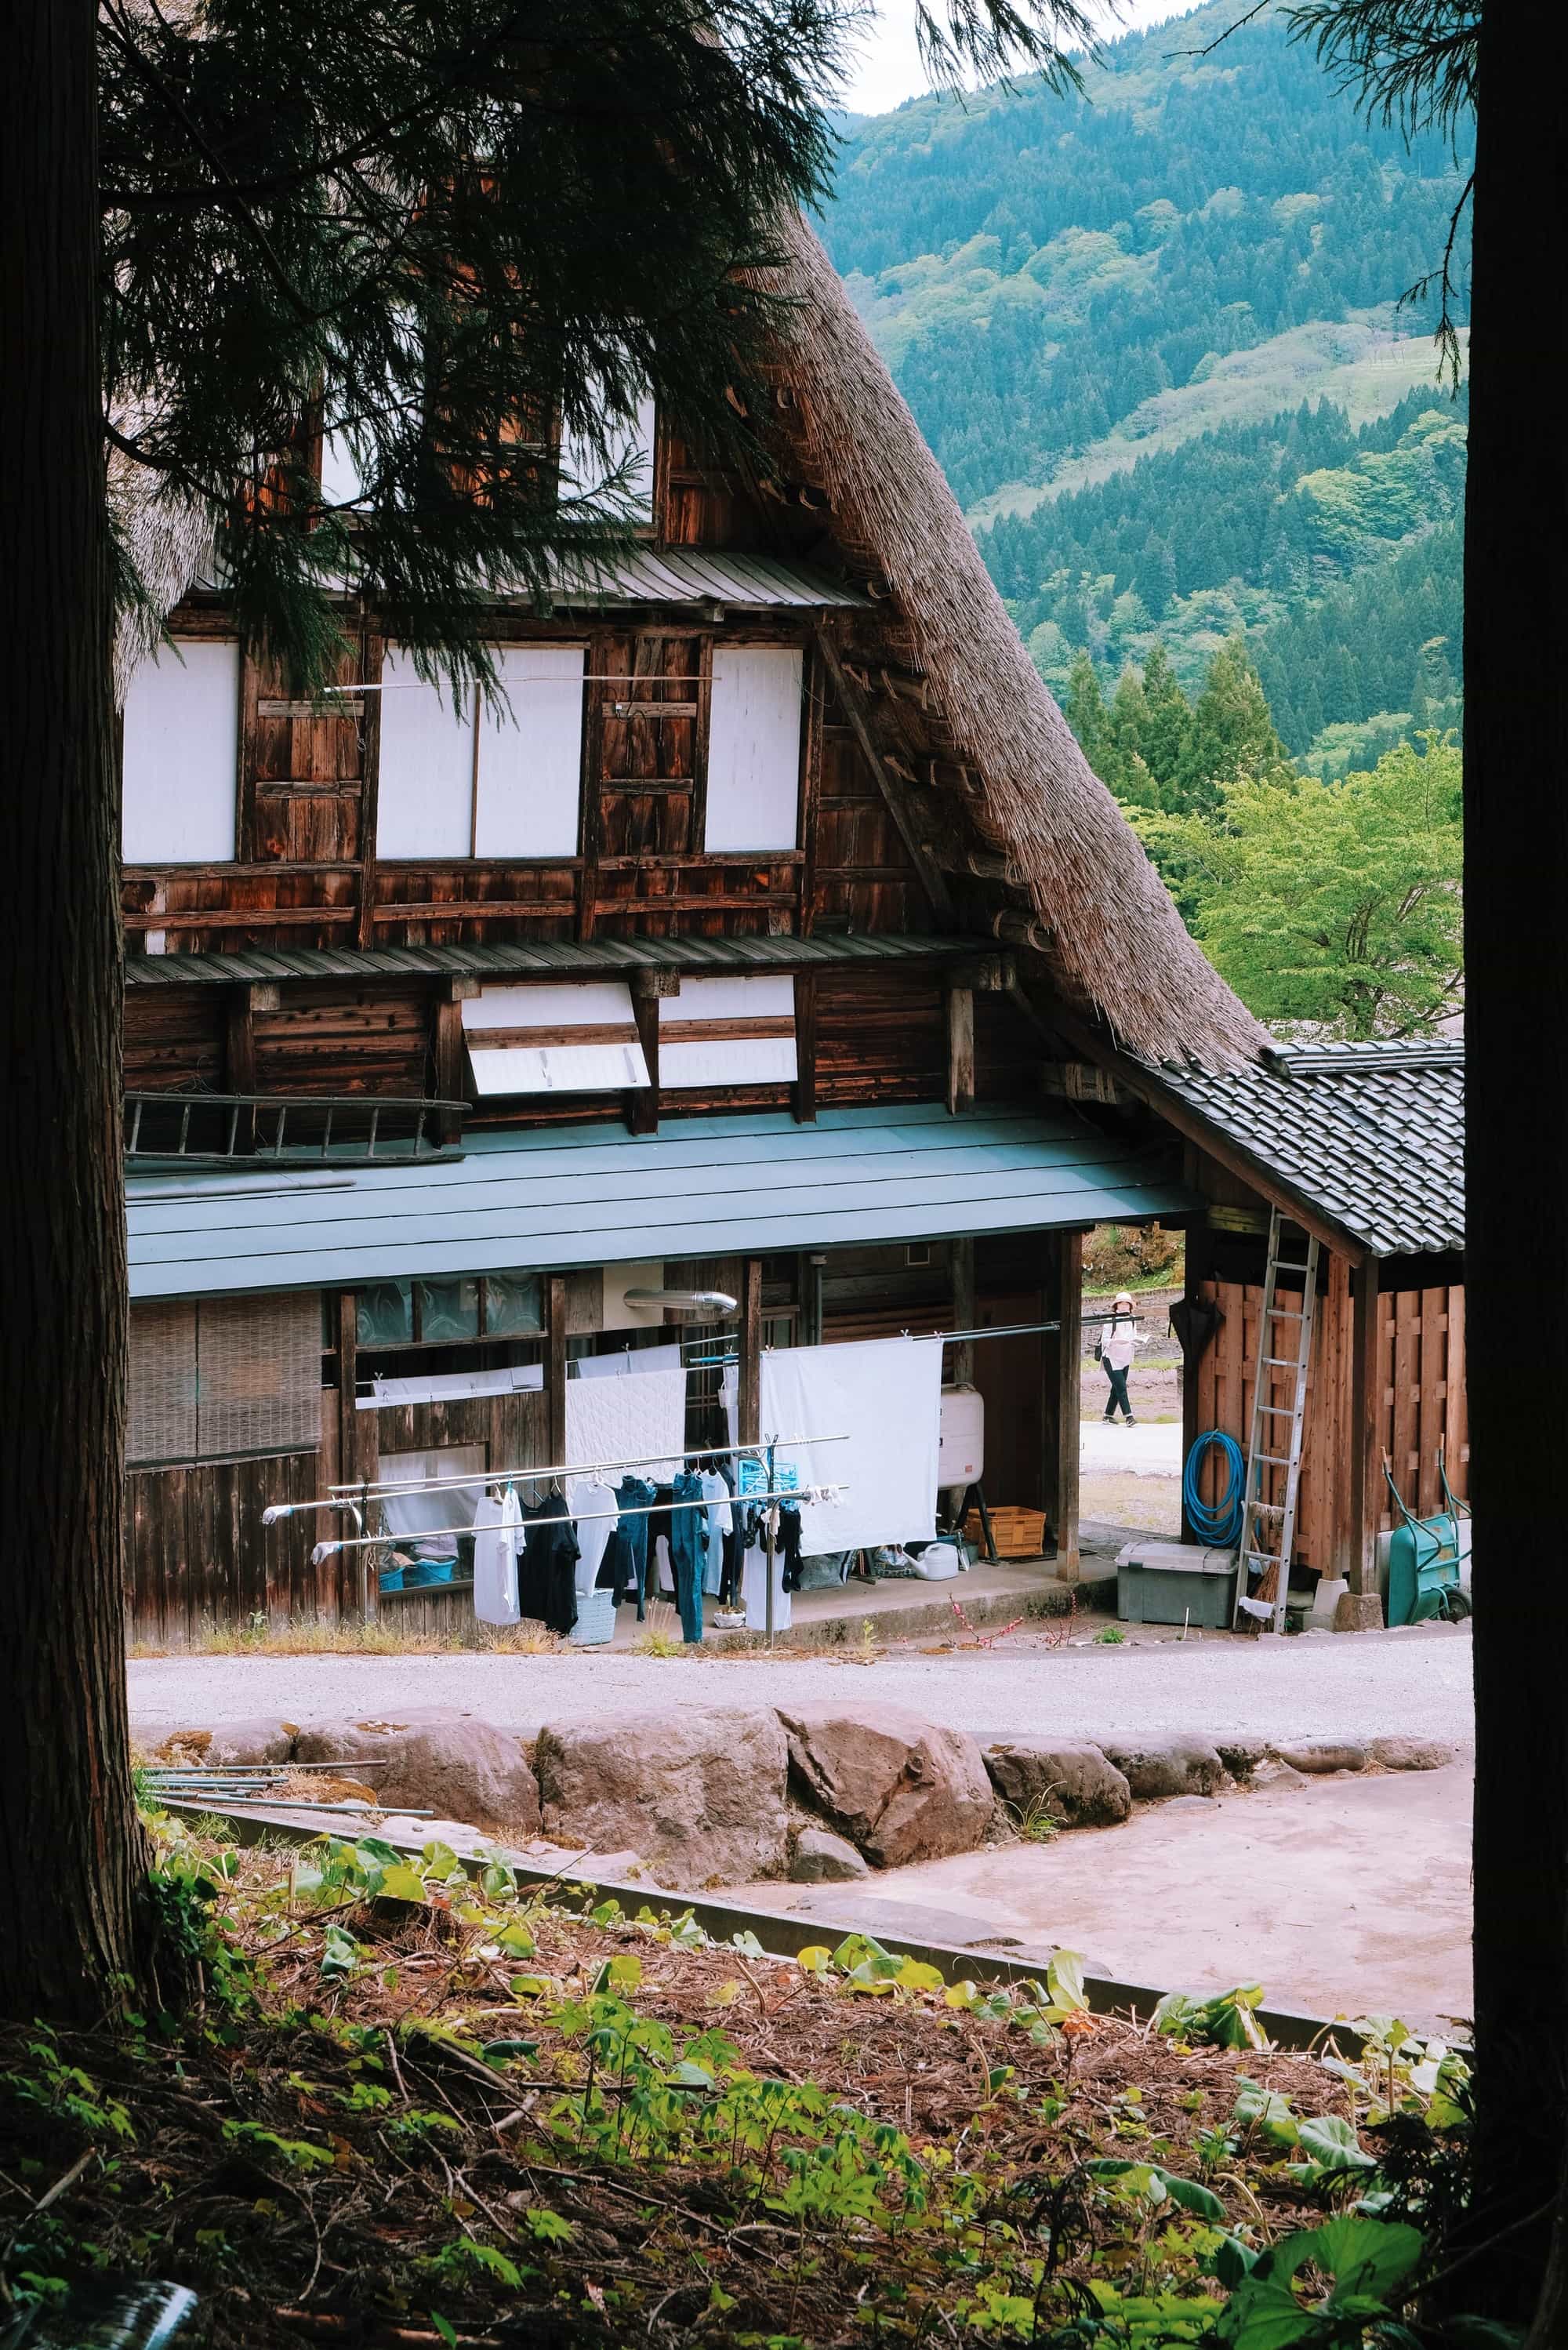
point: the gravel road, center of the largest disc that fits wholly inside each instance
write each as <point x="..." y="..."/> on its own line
<point x="1415" y="1682"/>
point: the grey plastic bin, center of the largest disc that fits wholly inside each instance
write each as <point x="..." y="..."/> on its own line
<point x="1176" y="1583"/>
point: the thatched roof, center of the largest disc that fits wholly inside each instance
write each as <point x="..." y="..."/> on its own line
<point x="169" y="544"/>
<point x="1118" y="951"/>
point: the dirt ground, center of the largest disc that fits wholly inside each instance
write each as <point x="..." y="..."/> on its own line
<point x="1342" y="1896"/>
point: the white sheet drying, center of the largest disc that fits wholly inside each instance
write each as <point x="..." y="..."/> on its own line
<point x="885" y="1396"/>
<point x="640" y="1417"/>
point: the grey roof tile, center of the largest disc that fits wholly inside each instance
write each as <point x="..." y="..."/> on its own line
<point x="1371" y="1135"/>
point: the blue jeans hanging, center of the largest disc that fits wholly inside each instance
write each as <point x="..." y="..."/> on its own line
<point x="688" y="1538"/>
<point x="636" y="1493"/>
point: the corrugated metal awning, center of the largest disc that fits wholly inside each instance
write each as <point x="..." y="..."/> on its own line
<point x="689" y="575"/>
<point x="587" y="1195"/>
<point x="543" y="959"/>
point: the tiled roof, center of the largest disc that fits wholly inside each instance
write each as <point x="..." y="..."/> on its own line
<point x="1370" y="1134"/>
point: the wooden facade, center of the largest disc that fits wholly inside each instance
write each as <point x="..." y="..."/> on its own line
<point x="874" y="853"/>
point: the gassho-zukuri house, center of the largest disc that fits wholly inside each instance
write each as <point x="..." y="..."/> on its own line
<point x="785" y="947"/>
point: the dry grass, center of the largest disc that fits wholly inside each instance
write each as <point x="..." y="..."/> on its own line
<point x="358" y="1638"/>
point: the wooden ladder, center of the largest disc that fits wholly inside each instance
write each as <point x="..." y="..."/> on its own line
<point x="1270" y="1560"/>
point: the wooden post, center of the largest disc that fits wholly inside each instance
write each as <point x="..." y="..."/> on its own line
<point x="356" y="1448"/>
<point x="961" y="1049"/>
<point x="1365" y="1430"/>
<point x="804" y="1100"/>
<point x="648" y="989"/>
<point x="749" y="1397"/>
<point x="812" y="1268"/>
<point x="240" y="1063"/>
<point x="555" y="1362"/>
<point x="451" y="1079"/>
<point x="1198" y="1255"/>
<point x="960" y="1359"/>
<point x="1062" y="1302"/>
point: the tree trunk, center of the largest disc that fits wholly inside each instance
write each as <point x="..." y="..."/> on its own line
<point x="68" y="1840"/>
<point x="1516" y="886"/>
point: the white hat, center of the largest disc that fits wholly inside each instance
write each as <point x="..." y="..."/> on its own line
<point x="1122" y="1297"/>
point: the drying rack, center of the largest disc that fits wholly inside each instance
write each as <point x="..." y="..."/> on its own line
<point x="357" y="1500"/>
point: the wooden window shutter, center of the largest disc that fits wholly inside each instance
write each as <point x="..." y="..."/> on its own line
<point x="259" y="1361"/>
<point x="161" y="1417"/>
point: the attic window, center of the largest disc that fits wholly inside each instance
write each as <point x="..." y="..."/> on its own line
<point x="628" y="457"/>
<point x="489" y="782"/>
<point x="180" y="755"/>
<point x="553" y="1040"/>
<point x="727" y="1032"/>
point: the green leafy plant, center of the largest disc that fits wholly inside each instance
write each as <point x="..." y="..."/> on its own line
<point x="1225" y="2020"/>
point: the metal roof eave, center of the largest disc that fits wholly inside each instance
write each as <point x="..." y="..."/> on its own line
<point x="745" y="1184"/>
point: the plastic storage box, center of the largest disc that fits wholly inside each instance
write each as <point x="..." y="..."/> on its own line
<point x="595" y="1618"/>
<point x="1176" y="1583"/>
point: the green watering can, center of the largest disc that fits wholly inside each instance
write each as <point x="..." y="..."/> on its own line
<point x="1425" y="1558"/>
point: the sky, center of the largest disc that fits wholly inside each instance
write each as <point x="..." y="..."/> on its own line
<point x="888" y="69"/>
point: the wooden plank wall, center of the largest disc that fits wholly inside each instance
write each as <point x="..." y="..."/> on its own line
<point x="1421" y="1338"/>
<point x="198" y="1557"/>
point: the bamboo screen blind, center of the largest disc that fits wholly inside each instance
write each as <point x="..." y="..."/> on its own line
<point x="225" y="1377"/>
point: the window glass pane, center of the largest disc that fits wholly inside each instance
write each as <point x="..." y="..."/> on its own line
<point x="449" y="1310"/>
<point x="384" y="1313"/>
<point x="512" y="1304"/>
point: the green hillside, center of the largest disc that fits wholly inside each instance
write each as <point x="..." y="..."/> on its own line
<point x="1152" y="334"/>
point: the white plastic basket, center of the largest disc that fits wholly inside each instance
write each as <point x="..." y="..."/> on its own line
<point x="595" y="1618"/>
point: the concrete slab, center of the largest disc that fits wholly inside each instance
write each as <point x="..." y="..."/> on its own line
<point x="1345" y="1896"/>
<point x="1151" y="1448"/>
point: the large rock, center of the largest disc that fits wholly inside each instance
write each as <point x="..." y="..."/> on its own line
<point x="1322" y="1754"/>
<point x="437" y="1758"/>
<point x="900" y="1788"/>
<point x="699" y="1791"/>
<point x="820" y="1857"/>
<point x="1168" y="1766"/>
<point x="263" y="1739"/>
<point x="1358" y="1611"/>
<point x="1410" y="1753"/>
<point x="1067" y="1777"/>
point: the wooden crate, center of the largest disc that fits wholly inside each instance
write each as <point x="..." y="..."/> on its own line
<point x="1020" y="1532"/>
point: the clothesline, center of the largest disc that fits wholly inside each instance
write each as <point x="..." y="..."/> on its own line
<point x="346" y="1497"/>
<point x="795" y="1493"/>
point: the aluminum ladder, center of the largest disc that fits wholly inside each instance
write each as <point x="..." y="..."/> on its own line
<point x="1270" y="1560"/>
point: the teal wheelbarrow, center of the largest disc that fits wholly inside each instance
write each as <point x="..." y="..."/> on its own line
<point x="1427" y="1557"/>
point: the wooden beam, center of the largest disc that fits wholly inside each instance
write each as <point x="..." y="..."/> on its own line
<point x="960" y="1358"/>
<point x="961" y="1050"/>
<point x="749" y="1392"/>
<point x="1197" y="1269"/>
<point x="983" y="864"/>
<point x="1062" y="1292"/>
<point x="240" y="1007"/>
<point x="804" y="1099"/>
<point x="355" y="1439"/>
<point x="648" y="989"/>
<point x="893" y="792"/>
<point x="555" y="1362"/>
<point x="450" y="1071"/>
<point x="1365" y="1428"/>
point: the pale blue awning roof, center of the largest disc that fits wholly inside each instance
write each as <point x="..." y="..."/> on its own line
<point x="591" y="1195"/>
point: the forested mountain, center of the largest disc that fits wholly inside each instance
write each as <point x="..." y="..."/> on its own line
<point x="1150" y="333"/>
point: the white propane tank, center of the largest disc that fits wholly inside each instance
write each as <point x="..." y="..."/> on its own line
<point x="960" y="1454"/>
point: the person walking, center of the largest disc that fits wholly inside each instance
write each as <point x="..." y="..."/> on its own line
<point x="1118" y="1342"/>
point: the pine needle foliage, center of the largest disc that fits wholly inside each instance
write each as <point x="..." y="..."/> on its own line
<point x="441" y="244"/>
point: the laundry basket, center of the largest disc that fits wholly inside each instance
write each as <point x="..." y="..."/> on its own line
<point x="595" y="1618"/>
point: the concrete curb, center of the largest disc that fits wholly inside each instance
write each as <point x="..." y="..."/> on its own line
<point x="781" y="1937"/>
